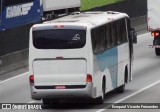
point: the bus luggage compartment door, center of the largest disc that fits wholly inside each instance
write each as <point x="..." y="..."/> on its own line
<point x="60" y="72"/>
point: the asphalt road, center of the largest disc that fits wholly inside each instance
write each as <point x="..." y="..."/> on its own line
<point x="143" y="89"/>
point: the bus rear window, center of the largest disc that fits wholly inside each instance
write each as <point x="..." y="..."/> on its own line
<point x="59" y="39"/>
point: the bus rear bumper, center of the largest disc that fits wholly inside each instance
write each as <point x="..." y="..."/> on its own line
<point x="39" y="94"/>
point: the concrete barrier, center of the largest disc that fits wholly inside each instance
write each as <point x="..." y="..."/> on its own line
<point x="139" y="23"/>
<point x="13" y="61"/>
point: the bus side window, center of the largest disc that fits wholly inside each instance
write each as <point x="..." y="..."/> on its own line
<point x="102" y="38"/>
<point x="123" y="31"/>
<point x="114" y="34"/>
<point x="98" y="39"/>
<point x="95" y="41"/>
<point x="119" y="36"/>
<point x="108" y="36"/>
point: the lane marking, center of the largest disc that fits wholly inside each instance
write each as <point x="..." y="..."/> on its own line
<point x="20" y="75"/>
<point x="143" y="34"/>
<point x="133" y="94"/>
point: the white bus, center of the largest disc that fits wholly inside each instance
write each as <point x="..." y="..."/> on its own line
<point x="81" y="55"/>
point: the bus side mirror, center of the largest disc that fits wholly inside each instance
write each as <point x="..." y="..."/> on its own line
<point x="134" y="35"/>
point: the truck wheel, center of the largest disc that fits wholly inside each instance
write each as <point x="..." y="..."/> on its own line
<point x="157" y="51"/>
<point x="100" y="100"/>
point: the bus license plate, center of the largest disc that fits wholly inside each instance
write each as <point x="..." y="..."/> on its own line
<point x="60" y="87"/>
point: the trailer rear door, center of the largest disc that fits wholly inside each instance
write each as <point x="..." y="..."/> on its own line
<point x="153" y="14"/>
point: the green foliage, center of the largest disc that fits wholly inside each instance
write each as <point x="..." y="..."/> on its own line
<point x="88" y="4"/>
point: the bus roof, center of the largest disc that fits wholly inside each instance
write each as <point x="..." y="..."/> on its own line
<point x="88" y="18"/>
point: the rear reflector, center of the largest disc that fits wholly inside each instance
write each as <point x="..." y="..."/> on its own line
<point x="31" y="78"/>
<point x="155" y="34"/>
<point x="89" y="78"/>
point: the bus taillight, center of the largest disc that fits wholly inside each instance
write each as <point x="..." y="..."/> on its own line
<point x="31" y="79"/>
<point x="89" y="78"/>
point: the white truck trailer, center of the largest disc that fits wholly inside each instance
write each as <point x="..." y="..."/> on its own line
<point x="52" y="8"/>
<point x="154" y="23"/>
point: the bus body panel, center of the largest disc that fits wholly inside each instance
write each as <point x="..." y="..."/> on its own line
<point x="109" y="59"/>
<point x="50" y="69"/>
<point x="111" y="64"/>
<point x="103" y="66"/>
<point x="80" y="58"/>
<point x="123" y="61"/>
<point x="60" y="72"/>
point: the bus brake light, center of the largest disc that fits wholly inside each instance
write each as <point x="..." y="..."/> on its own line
<point x="89" y="78"/>
<point x="31" y="78"/>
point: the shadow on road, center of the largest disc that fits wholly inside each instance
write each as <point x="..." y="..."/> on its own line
<point x="80" y="103"/>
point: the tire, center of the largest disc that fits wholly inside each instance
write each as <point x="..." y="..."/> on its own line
<point x="157" y="51"/>
<point x="100" y="100"/>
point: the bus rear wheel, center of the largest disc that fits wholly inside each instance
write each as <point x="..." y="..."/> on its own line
<point x="157" y="51"/>
<point x="100" y="100"/>
<point x="121" y="89"/>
